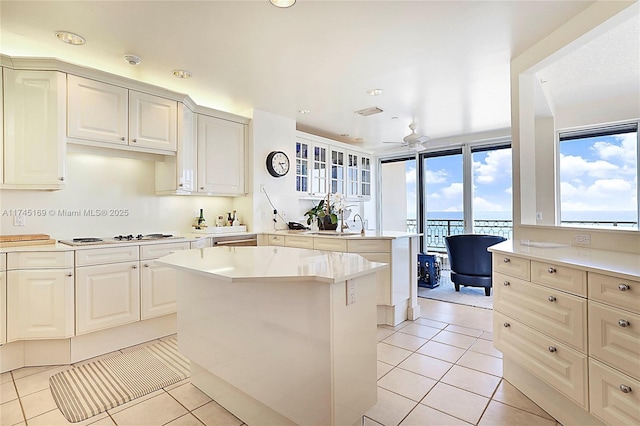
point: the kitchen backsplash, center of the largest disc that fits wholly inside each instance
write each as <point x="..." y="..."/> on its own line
<point x="106" y="196"/>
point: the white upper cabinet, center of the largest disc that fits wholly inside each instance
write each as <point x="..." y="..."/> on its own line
<point x="365" y="176"/>
<point x="337" y="179"/>
<point x="152" y="121"/>
<point x="102" y="113"/>
<point x="1" y="127"/>
<point x="302" y="167"/>
<point x="319" y="170"/>
<point x="34" y="129"/>
<point x="221" y="156"/>
<point x="353" y="176"/>
<point x="97" y="111"/>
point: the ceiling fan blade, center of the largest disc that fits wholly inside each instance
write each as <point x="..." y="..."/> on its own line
<point x="422" y="139"/>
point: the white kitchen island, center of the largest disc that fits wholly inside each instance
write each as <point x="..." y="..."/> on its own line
<point x="280" y="335"/>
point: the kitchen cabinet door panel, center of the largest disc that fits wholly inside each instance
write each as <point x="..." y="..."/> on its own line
<point x="39" y="304"/>
<point x="107" y="296"/>
<point x="3" y="304"/>
<point x="158" y="290"/>
<point x="608" y="398"/>
<point x="221" y="156"/>
<point x="152" y="121"/>
<point x="34" y="125"/>
<point x="97" y="111"/>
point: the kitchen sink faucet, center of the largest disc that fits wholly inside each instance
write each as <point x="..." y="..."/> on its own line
<point x="361" y="222"/>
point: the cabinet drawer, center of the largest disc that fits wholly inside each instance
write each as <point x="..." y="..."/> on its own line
<point x="553" y="312"/>
<point x="40" y="260"/>
<point x="201" y="243"/>
<point x="106" y="255"/>
<point x="511" y="265"/>
<point x="299" y="242"/>
<point x="559" y="277"/>
<point x="615" y="337"/>
<point x="608" y="398"/>
<point x="276" y="240"/>
<point x="154" y="251"/>
<point x="330" y="244"/>
<point x="3" y="261"/>
<point x="620" y="292"/>
<point x="557" y="364"/>
<point x="369" y="246"/>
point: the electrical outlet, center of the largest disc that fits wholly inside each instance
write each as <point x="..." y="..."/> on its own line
<point x="582" y="239"/>
<point x="351" y="292"/>
<point x="19" y="220"/>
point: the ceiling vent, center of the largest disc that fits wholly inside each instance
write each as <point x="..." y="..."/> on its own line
<point x="369" y="111"/>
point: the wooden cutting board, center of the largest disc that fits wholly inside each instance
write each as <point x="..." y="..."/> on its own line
<point x="26" y="243"/>
<point x="23" y="237"/>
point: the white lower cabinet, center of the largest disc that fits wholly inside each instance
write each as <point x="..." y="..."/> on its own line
<point x="39" y="304"/>
<point x="158" y="290"/>
<point x="614" y="397"/>
<point x="3" y="298"/>
<point x="107" y="296"/>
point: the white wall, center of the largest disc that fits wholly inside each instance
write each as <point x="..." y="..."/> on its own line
<point x="100" y="182"/>
<point x="393" y="202"/>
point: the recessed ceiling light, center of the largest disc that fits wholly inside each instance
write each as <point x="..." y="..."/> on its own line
<point x="70" y="38"/>
<point x="304" y="111"/>
<point x="374" y="92"/>
<point x="132" y="59"/>
<point x="182" y="73"/>
<point x="282" y="3"/>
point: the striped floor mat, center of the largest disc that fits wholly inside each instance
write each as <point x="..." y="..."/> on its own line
<point x="93" y="388"/>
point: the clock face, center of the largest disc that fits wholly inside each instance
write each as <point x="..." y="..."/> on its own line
<point x="277" y="163"/>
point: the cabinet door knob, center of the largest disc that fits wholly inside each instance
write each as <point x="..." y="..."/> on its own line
<point x="625" y="388"/>
<point x="623" y="323"/>
<point x="202" y="188"/>
<point x="181" y="185"/>
<point x="69" y="274"/>
<point x="552" y="349"/>
<point x="506" y="283"/>
<point x="146" y="265"/>
<point x="506" y="260"/>
<point x="134" y="140"/>
<point x="551" y="270"/>
<point x="506" y="324"/>
<point x="134" y="266"/>
<point x="123" y="138"/>
<point x="623" y="287"/>
<point x="551" y="299"/>
<point x="62" y="178"/>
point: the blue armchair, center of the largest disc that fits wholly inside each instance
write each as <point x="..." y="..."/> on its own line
<point x="470" y="261"/>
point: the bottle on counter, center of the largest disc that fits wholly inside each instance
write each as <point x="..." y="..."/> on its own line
<point x="229" y="219"/>
<point x="236" y="222"/>
<point x="201" y="221"/>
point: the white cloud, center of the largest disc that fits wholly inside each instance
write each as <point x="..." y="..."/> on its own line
<point x="509" y="190"/>
<point x="497" y="164"/>
<point x="573" y="166"/>
<point x="434" y="195"/>
<point x="602" y="194"/>
<point x="411" y="176"/>
<point x="453" y="191"/>
<point x="438" y="176"/>
<point x="624" y="151"/>
<point x="482" y="205"/>
<point x="453" y="209"/>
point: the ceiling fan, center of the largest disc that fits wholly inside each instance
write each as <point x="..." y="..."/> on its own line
<point x="413" y="140"/>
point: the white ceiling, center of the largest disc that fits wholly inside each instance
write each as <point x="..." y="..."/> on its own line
<point x="444" y="64"/>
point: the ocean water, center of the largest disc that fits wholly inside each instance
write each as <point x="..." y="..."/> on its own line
<point x="599" y="216"/>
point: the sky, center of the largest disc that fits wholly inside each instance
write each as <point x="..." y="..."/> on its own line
<point x="596" y="175"/>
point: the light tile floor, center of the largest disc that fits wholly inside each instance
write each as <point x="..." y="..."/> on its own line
<point x="438" y="370"/>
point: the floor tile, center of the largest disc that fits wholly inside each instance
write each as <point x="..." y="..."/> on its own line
<point x="427" y="416"/>
<point x="485" y="347"/>
<point x="55" y="418"/>
<point x="177" y="384"/>
<point x="431" y="323"/>
<point x="498" y="413"/>
<point x="441" y="351"/>
<point x="383" y="333"/>
<point x="391" y="408"/>
<point x="138" y="346"/>
<point x="464" y="330"/>
<point x="213" y="413"/>
<point x="38" y="381"/>
<point x="426" y="366"/>
<point x="5" y="377"/>
<point x="457" y="402"/>
<point x="474" y="381"/>
<point x="28" y="371"/>
<point x="8" y="392"/>
<point x="420" y="330"/>
<point x="366" y="421"/>
<point x="411" y="385"/>
<point x="451" y="313"/>
<point x="189" y="396"/>
<point x="105" y="421"/>
<point x="405" y="341"/>
<point x="158" y="410"/>
<point x="11" y="413"/>
<point x="38" y="403"/>
<point x="455" y="339"/>
<point x="508" y="394"/>
<point x="186" y="420"/>
<point x="391" y="354"/>
<point x="397" y="327"/>
<point x="485" y="363"/>
<point x="487" y="335"/>
<point x="383" y="368"/>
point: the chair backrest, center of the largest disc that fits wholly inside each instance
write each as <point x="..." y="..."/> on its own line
<point x="468" y="253"/>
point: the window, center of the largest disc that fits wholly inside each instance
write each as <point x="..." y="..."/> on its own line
<point x="599" y="177"/>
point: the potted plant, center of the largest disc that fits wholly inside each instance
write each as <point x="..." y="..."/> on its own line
<point x="319" y="215"/>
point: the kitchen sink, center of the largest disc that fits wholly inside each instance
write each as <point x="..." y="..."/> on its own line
<point x="332" y="234"/>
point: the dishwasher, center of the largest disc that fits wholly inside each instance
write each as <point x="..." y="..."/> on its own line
<point x="235" y="240"/>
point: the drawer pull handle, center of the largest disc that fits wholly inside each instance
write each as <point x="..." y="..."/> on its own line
<point x="506" y="260"/>
<point x="623" y="287"/>
<point x="551" y="299"/>
<point x="551" y="270"/>
<point x="146" y="265"/>
<point x="69" y="274"/>
<point x="625" y="388"/>
<point x="134" y="140"/>
<point x="134" y="266"/>
<point x="552" y="349"/>
<point x="506" y="283"/>
<point x="506" y="324"/>
<point x="623" y="323"/>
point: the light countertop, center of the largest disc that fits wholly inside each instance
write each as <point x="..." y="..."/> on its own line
<point x="625" y="265"/>
<point x="388" y="235"/>
<point x="271" y="263"/>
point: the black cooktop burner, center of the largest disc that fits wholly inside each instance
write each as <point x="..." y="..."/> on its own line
<point x="86" y="240"/>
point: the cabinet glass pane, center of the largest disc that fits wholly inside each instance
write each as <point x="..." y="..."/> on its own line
<point x="352" y="175"/>
<point x="319" y="174"/>
<point x="366" y="176"/>
<point x="302" y="167"/>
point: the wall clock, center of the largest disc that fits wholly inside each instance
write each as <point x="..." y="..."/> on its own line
<point x="277" y="163"/>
